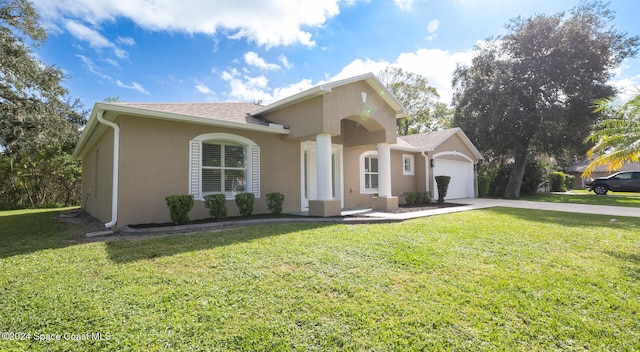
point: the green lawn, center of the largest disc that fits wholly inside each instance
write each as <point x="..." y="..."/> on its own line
<point x="583" y="197"/>
<point x="500" y="279"/>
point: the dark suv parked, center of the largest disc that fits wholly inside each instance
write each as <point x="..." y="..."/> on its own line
<point x="620" y="182"/>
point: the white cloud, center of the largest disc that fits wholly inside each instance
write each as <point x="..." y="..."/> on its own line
<point x="404" y="4"/>
<point x="433" y="25"/>
<point x="248" y="88"/>
<point x="434" y="64"/>
<point x="128" y="41"/>
<point x="285" y="62"/>
<point x="252" y="58"/>
<point x="133" y="85"/>
<point x="204" y="89"/>
<point x="93" y="38"/>
<point x="268" y="23"/>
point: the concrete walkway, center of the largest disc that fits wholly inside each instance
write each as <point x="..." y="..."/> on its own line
<point x="479" y="203"/>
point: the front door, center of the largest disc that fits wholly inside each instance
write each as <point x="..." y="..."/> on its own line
<point x="308" y="173"/>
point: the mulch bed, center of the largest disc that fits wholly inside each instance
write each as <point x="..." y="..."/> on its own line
<point x="401" y="209"/>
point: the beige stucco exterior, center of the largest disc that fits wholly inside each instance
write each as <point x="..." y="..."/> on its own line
<point x="154" y="153"/>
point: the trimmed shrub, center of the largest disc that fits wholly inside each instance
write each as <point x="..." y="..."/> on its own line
<point x="558" y="180"/>
<point x="443" y="186"/>
<point x="570" y="179"/>
<point x="245" y="203"/>
<point x="274" y="202"/>
<point x="416" y="198"/>
<point x="217" y="205"/>
<point x="179" y="207"/>
<point x="483" y="185"/>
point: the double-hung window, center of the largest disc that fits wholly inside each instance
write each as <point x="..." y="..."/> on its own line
<point x="223" y="163"/>
<point x="224" y="168"/>
<point x="369" y="173"/>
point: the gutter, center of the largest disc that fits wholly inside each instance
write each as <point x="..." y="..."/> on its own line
<point x="116" y="162"/>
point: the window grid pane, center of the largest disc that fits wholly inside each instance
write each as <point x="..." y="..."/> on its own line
<point x="224" y="168"/>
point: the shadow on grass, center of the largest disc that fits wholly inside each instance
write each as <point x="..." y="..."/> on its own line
<point x="28" y="231"/>
<point x="133" y="250"/>
<point x="631" y="259"/>
<point x="624" y="200"/>
<point x="578" y="220"/>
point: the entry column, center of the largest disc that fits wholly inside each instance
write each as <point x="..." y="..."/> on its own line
<point x="385" y="201"/>
<point x="325" y="205"/>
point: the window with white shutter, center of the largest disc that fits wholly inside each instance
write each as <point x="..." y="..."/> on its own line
<point x="369" y="172"/>
<point x="224" y="164"/>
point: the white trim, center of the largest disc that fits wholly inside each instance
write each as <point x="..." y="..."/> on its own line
<point x="363" y="188"/>
<point x="412" y="165"/>
<point x="456" y="153"/>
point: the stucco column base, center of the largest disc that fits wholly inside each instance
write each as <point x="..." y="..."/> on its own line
<point x="324" y="208"/>
<point x="385" y="203"/>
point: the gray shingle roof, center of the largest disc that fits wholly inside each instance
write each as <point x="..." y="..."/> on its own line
<point x="428" y="140"/>
<point x="581" y="165"/>
<point x="232" y="112"/>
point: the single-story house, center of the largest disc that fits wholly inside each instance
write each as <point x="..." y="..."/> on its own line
<point x="577" y="168"/>
<point x="331" y="147"/>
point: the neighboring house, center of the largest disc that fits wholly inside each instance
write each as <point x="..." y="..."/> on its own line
<point x="330" y="147"/>
<point x="577" y="168"/>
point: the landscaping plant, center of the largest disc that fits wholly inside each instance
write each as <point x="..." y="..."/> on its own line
<point x="245" y="203"/>
<point x="179" y="207"/>
<point x="217" y="205"/>
<point x="443" y="186"/>
<point x="275" y="201"/>
<point x="558" y="181"/>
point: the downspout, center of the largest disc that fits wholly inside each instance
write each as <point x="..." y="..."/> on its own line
<point x="426" y="169"/>
<point x="116" y="162"/>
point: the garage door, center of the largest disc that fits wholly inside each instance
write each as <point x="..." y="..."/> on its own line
<point x="461" y="173"/>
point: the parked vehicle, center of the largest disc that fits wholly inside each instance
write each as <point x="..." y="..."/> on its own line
<point x="618" y="182"/>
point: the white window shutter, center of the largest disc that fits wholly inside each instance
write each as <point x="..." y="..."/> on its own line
<point x="195" y="158"/>
<point x="255" y="171"/>
<point x="362" y="182"/>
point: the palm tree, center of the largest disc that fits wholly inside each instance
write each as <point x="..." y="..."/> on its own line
<point x="617" y="138"/>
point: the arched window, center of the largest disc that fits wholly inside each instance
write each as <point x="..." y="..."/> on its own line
<point x="223" y="163"/>
<point x="369" y="172"/>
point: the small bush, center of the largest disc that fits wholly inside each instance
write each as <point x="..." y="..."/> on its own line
<point x="416" y="198"/>
<point x="558" y="180"/>
<point x="274" y="202"/>
<point x="245" y="203"/>
<point x="179" y="207"/>
<point x="443" y="186"/>
<point x="483" y="185"/>
<point x="569" y="182"/>
<point x="217" y="205"/>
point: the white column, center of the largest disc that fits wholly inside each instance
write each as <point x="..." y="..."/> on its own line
<point x="323" y="166"/>
<point x="384" y="170"/>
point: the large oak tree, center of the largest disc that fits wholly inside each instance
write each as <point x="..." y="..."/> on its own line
<point x="38" y="123"/>
<point x="529" y="92"/>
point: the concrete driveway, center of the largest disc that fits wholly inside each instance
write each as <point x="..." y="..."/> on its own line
<point x="479" y="203"/>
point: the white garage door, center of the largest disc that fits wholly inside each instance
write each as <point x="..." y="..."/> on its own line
<point x="461" y="173"/>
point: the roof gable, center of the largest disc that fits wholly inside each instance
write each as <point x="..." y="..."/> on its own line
<point x="325" y="88"/>
<point x="431" y="140"/>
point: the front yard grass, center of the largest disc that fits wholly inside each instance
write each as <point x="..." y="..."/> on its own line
<point x="577" y="197"/>
<point x="499" y="279"/>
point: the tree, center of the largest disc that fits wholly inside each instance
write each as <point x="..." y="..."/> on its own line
<point x="617" y="138"/>
<point x="529" y="91"/>
<point x="38" y="123"/>
<point x="420" y="100"/>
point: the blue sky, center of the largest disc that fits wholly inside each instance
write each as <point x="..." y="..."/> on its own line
<point x="250" y="50"/>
